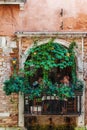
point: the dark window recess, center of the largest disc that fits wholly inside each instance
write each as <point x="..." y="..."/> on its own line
<point x="47" y="105"/>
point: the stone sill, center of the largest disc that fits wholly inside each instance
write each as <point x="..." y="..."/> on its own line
<point x="52" y="34"/>
<point x="31" y="115"/>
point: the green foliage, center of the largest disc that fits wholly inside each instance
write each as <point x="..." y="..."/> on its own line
<point x="65" y="91"/>
<point x="72" y="57"/>
<point x="61" y="91"/>
<point x="11" y="85"/>
<point x="79" y="85"/>
<point x="46" y="57"/>
<point x="15" y="84"/>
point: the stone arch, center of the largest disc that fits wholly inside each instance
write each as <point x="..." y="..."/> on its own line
<point x="25" y="56"/>
<point x="62" y="42"/>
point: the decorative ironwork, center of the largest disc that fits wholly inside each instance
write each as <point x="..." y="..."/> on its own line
<point x="51" y="105"/>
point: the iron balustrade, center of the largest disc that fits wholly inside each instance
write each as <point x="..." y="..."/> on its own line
<point x="50" y="105"/>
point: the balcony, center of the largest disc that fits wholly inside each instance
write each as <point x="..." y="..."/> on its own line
<point x="13" y="2"/>
<point x="50" y="105"/>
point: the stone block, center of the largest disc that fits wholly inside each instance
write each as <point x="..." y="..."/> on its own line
<point x="13" y="44"/>
<point x="6" y="114"/>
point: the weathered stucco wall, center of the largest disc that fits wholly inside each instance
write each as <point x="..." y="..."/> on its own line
<point x="43" y="16"/>
<point x="85" y="78"/>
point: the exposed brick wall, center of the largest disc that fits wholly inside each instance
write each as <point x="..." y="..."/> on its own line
<point x="85" y="77"/>
<point x="8" y="104"/>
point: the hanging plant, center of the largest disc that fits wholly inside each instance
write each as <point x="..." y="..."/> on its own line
<point x="16" y="84"/>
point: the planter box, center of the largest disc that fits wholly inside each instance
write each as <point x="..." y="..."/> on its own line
<point x="49" y="98"/>
<point x="78" y="93"/>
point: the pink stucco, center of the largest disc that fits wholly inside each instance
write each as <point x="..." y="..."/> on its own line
<point x="43" y="15"/>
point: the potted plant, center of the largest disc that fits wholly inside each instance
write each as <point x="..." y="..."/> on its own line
<point x="79" y="86"/>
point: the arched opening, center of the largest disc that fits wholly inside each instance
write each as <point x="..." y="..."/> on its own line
<point x="52" y="75"/>
<point x="50" y="103"/>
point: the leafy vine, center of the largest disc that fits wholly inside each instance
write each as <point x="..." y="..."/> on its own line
<point x="45" y="57"/>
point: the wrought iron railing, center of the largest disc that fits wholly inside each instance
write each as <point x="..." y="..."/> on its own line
<point x="50" y="105"/>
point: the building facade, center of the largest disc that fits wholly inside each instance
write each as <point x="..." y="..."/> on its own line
<point x="21" y="23"/>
